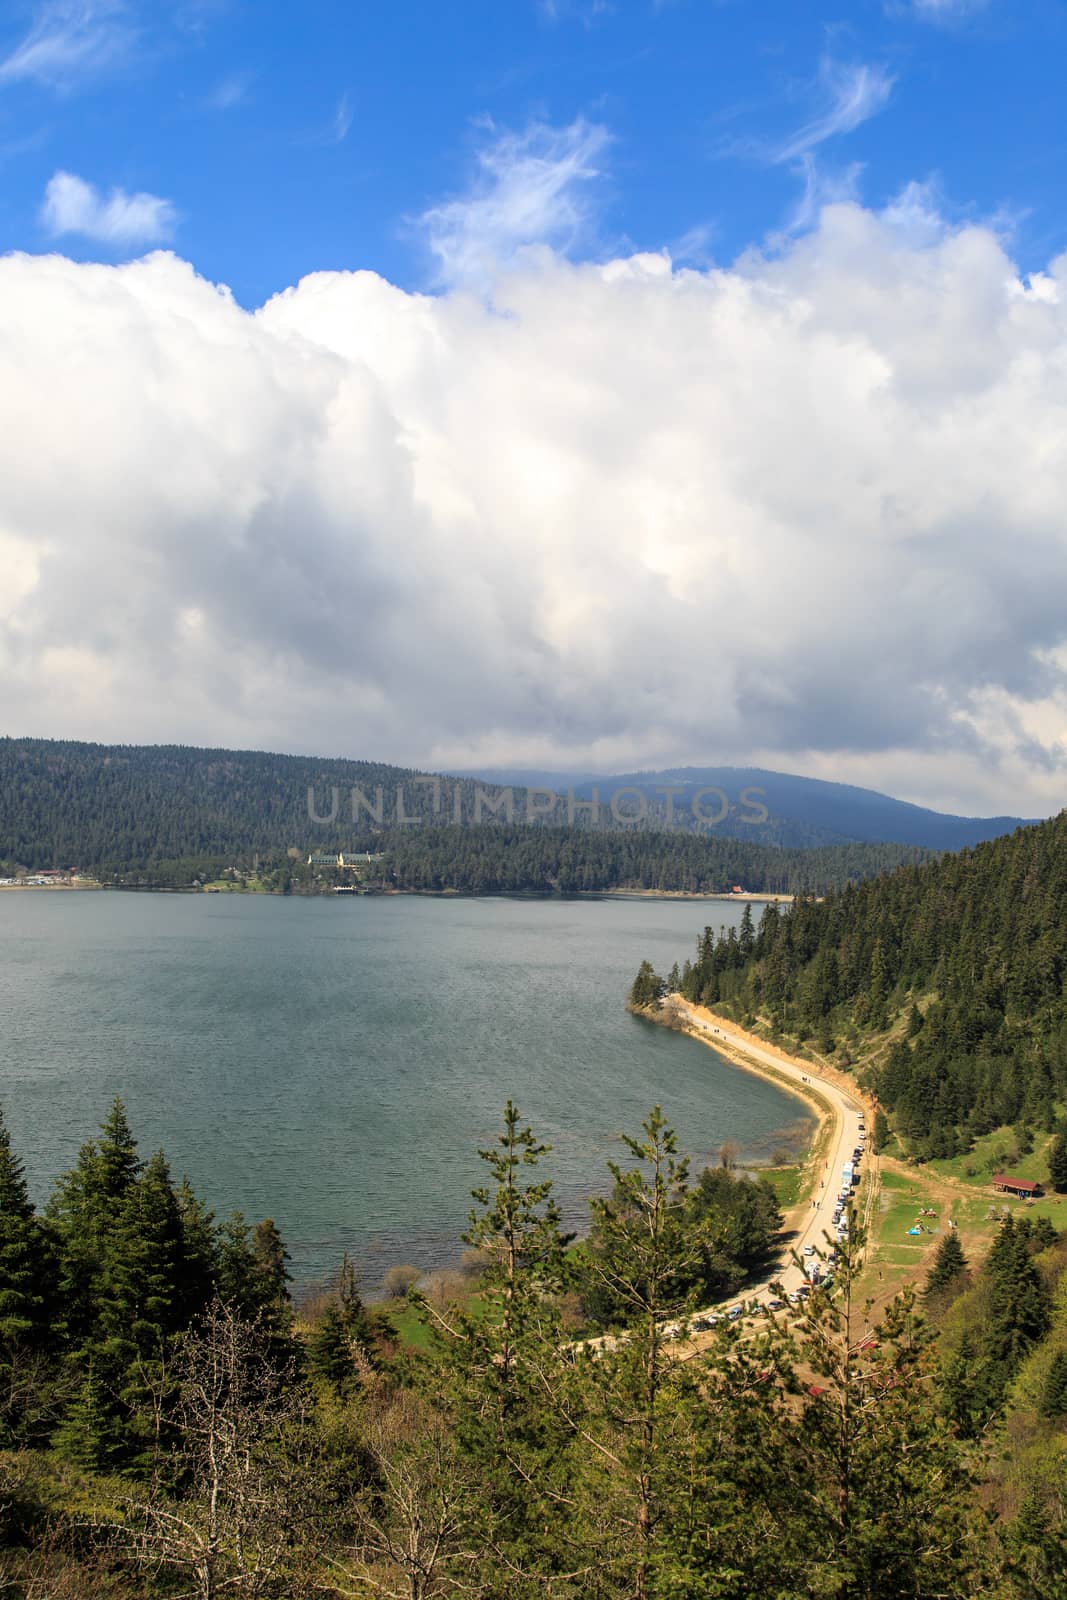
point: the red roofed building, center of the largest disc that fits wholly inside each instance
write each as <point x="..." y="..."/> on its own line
<point x="1022" y="1187"/>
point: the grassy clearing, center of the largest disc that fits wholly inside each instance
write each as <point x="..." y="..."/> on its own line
<point x="410" y="1326"/>
<point x="994" y="1152"/>
<point x="895" y="1257"/>
<point x="790" y="1184"/>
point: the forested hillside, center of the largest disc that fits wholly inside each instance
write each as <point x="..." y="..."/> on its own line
<point x="171" y="1425"/>
<point x="88" y="805"/>
<point x="495" y="859"/>
<point x="171" y="817"/>
<point x="948" y="977"/>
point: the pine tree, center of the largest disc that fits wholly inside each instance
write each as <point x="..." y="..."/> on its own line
<point x="199" y="1253"/>
<point x="950" y="1264"/>
<point x="643" y="1259"/>
<point x="269" y="1256"/>
<point x="116" y="1153"/>
<point x="871" y="1444"/>
<point x="26" y="1264"/>
<point x="1057" y="1163"/>
<point x="647" y="989"/>
<point x="340" y="1346"/>
<point x="85" y="1209"/>
<point x="1019" y="1302"/>
<point x="1054" y="1393"/>
<point x="495" y="1361"/>
<point x="140" y="1297"/>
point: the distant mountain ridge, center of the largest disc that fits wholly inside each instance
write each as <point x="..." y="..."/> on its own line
<point x="126" y="809"/>
<point x="803" y="812"/>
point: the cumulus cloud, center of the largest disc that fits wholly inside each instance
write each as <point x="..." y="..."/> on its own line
<point x="73" y="206"/>
<point x="529" y="188"/>
<point x="807" y="509"/>
<point x="69" y="41"/>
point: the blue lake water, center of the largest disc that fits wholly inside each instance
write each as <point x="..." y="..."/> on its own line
<point x="336" y="1063"/>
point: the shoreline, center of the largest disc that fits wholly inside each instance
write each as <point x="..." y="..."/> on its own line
<point x="839" y="1107"/>
<point x="683" y="895"/>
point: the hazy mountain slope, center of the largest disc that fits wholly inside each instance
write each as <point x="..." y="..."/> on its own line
<point x="803" y="812"/>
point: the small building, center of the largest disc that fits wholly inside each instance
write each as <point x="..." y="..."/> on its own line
<point x="342" y="858"/>
<point x="1022" y="1188"/>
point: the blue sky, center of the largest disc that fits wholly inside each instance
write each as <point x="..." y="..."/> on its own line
<point x="280" y="140"/>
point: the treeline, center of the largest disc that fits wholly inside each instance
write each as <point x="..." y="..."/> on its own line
<point x="195" y="1439"/>
<point x="103" y="1287"/>
<point x="495" y="859"/>
<point x="507" y="1455"/>
<point x="95" y="1294"/>
<point x="949" y="977"/>
<point x="128" y="807"/>
<point x="169" y="816"/>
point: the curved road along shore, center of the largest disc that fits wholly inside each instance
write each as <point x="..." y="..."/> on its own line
<point x="846" y="1114"/>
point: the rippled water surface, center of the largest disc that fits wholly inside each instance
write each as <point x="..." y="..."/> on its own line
<point x="336" y="1064"/>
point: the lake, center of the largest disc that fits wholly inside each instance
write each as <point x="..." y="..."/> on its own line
<point x="336" y="1063"/>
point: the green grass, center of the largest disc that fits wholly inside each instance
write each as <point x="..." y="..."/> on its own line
<point x="410" y="1326"/>
<point x="900" y="1255"/>
<point x="790" y="1184"/>
<point x="990" y="1154"/>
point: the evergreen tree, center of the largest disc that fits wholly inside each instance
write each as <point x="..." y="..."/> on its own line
<point x="513" y="1436"/>
<point x="251" y="1272"/>
<point x="1054" y="1393"/>
<point x="648" y="988"/>
<point x="198" y="1257"/>
<point x="340" y="1346"/>
<point x="1057" y="1162"/>
<point x="643" y="1260"/>
<point x="269" y="1257"/>
<point x="950" y="1264"/>
<point x="85" y="1210"/>
<point x="1019" y="1301"/>
<point x="26" y="1264"/>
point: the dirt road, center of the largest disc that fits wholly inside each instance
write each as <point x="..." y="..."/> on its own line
<point x="847" y="1119"/>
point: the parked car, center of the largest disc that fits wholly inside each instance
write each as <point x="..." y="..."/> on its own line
<point x="809" y="1249"/>
<point x="775" y="1304"/>
<point x="733" y="1313"/>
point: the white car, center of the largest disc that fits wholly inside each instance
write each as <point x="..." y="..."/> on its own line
<point x="809" y="1249"/>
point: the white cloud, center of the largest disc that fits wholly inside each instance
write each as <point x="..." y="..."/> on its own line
<point x="71" y="40"/>
<point x="852" y="95"/>
<point x="342" y="118"/>
<point x="230" y="91"/>
<point x="808" y="509"/>
<point x="946" y="10"/>
<point x="530" y="188"/>
<point x="73" y="206"/>
<point x="822" y="189"/>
